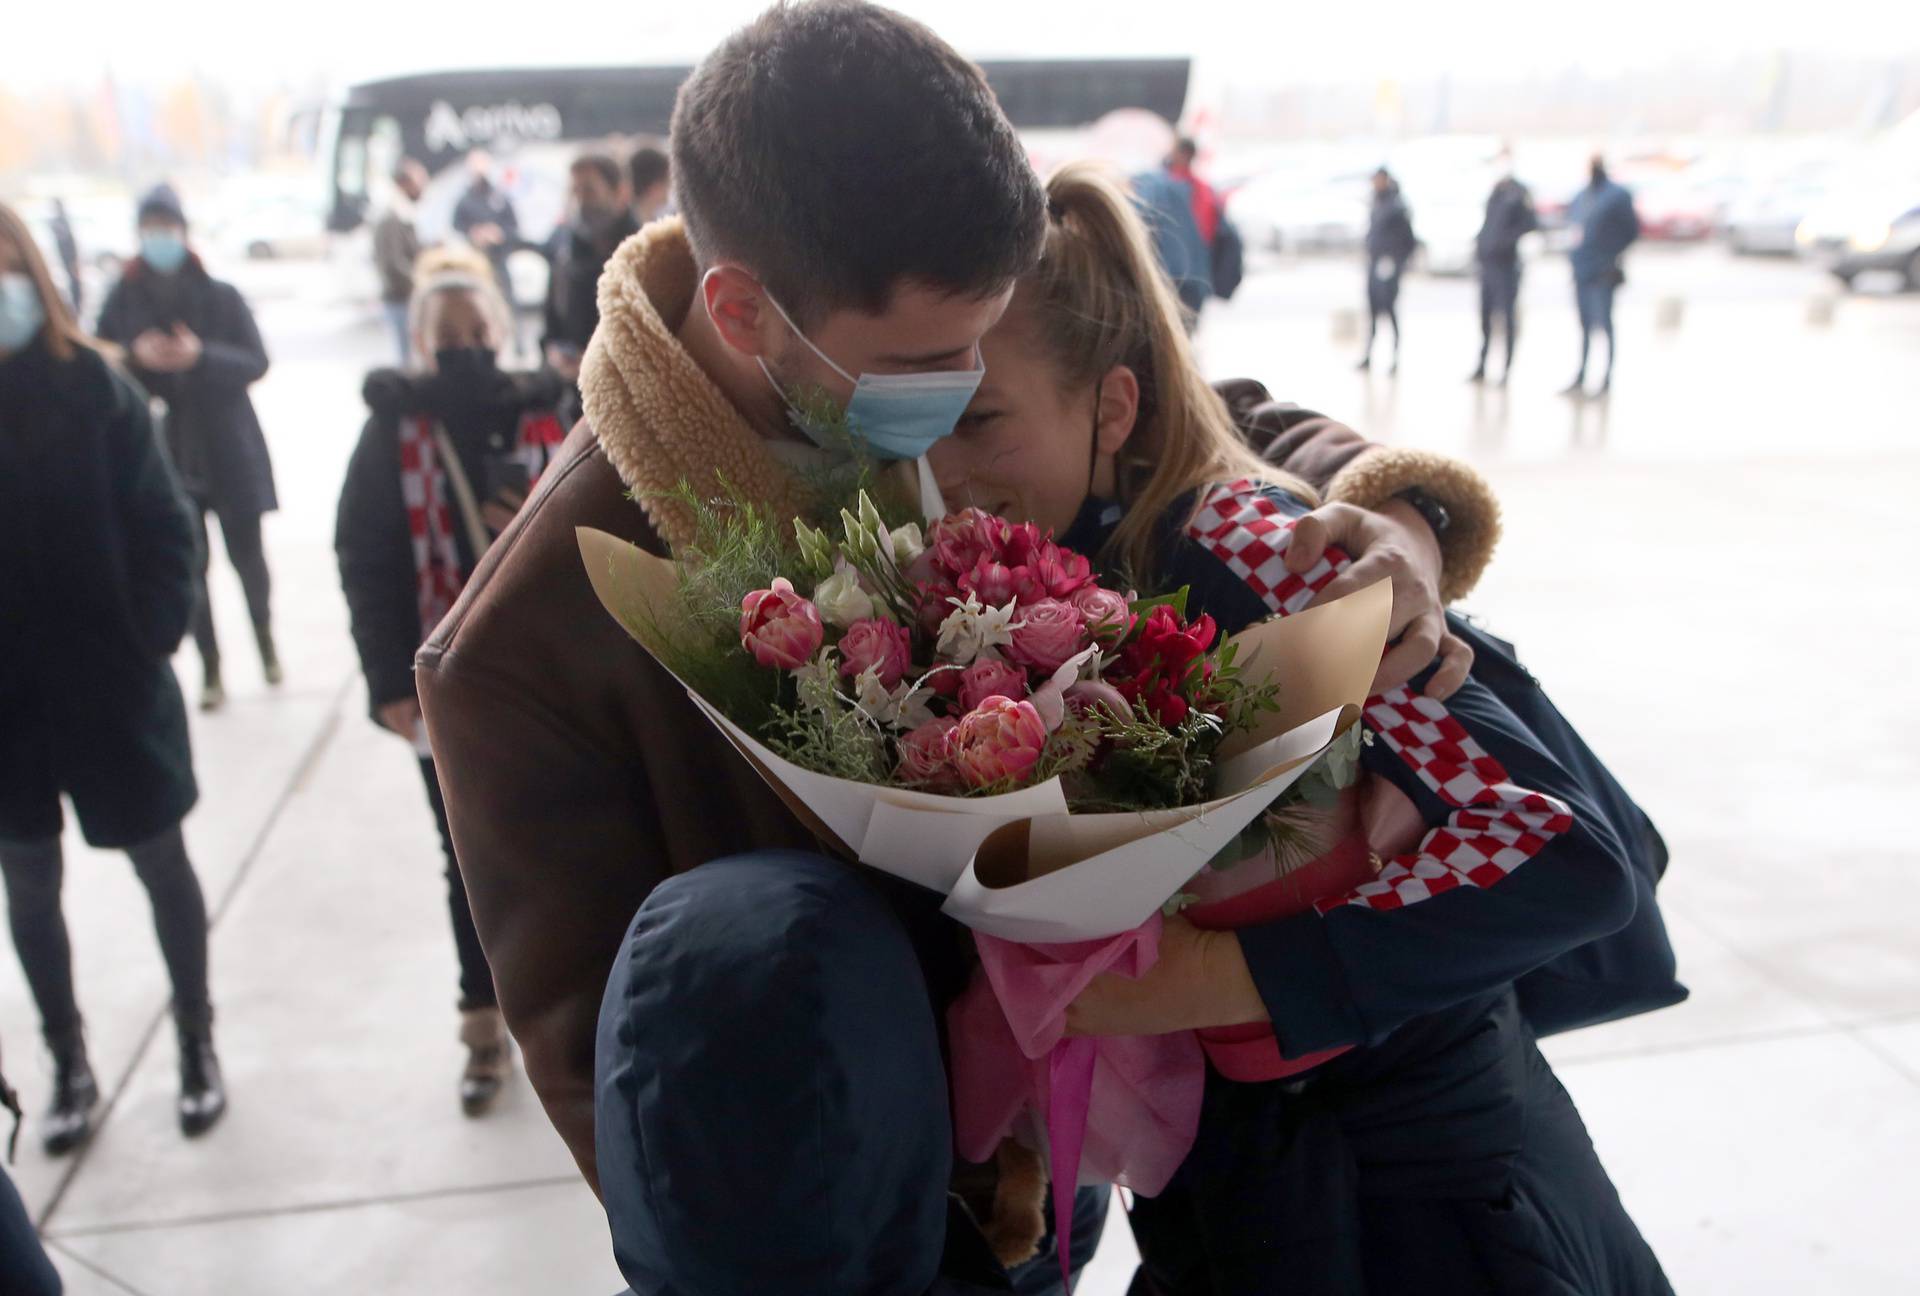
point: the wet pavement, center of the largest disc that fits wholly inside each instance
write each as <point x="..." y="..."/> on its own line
<point x="1710" y="571"/>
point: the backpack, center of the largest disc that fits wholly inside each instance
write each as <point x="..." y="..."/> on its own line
<point x="1229" y="259"/>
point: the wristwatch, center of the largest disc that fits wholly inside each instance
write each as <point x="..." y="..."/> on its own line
<point x="1428" y="507"/>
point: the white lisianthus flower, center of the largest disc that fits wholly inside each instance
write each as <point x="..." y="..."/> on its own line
<point x="841" y="600"/>
<point x="972" y="628"/>
<point x="907" y="543"/>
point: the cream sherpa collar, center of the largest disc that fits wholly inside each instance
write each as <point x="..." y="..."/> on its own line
<point x="658" y="416"/>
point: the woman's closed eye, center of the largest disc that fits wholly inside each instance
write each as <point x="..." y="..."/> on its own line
<point x="976" y="420"/>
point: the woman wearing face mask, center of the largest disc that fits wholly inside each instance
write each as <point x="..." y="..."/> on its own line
<point x="1377" y="1116"/>
<point x="192" y="343"/>
<point x="93" y="602"/>
<point x="445" y="461"/>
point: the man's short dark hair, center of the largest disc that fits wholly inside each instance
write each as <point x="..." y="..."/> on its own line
<point x="601" y="163"/>
<point x="838" y="150"/>
<point x="646" y="168"/>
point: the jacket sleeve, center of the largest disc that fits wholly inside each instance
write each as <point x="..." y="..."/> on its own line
<point x="1517" y="865"/>
<point x="1345" y="467"/>
<point x="235" y="357"/>
<point x="375" y="554"/>
<point x="162" y="551"/>
<point x="553" y="840"/>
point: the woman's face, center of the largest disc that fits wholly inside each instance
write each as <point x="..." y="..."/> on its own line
<point x="1032" y="446"/>
<point x="455" y="319"/>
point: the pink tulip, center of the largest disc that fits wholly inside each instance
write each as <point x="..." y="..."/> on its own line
<point x="879" y="645"/>
<point x="990" y="677"/>
<point x="1049" y="633"/>
<point x="926" y="754"/>
<point x="780" y="628"/>
<point x="999" y="741"/>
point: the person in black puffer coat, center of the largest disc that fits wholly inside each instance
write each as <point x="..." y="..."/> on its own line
<point x="92" y="710"/>
<point x="192" y="343"/>
<point x="447" y="457"/>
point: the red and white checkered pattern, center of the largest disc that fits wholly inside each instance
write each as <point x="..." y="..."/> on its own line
<point x="1496" y="825"/>
<point x="1245" y="528"/>
<point x="436" y="558"/>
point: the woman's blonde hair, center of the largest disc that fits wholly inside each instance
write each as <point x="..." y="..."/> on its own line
<point x="64" y="334"/>
<point x="1099" y="299"/>
<point x="457" y="269"/>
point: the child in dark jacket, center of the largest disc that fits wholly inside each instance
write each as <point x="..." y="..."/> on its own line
<point x="446" y="459"/>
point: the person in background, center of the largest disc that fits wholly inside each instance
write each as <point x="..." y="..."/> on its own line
<point x="1605" y="226"/>
<point x="396" y="246"/>
<point x="192" y="343"/>
<point x="92" y="709"/>
<point x="445" y="460"/>
<point x="1167" y="204"/>
<point x="485" y="217"/>
<point x="1510" y="218"/>
<point x="602" y="219"/>
<point x="649" y="178"/>
<point x="69" y="249"/>
<point x="1390" y="244"/>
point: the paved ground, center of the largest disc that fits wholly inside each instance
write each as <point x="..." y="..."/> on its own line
<point x="1710" y="571"/>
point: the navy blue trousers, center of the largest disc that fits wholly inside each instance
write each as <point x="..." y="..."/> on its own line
<point x="1446" y="1161"/>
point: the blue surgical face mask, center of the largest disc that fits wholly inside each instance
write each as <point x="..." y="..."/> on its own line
<point x="20" y="312"/>
<point x="164" y="250"/>
<point x="898" y="416"/>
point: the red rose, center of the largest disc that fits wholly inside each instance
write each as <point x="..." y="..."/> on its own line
<point x="879" y="645"/>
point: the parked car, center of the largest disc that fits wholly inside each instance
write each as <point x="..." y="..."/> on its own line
<point x="1870" y="230"/>
<point x="1764" y="220"/>
<point x="1292" y="211"/>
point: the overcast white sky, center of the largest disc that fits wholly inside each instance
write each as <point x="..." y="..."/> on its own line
<point x="1238" y="40"/>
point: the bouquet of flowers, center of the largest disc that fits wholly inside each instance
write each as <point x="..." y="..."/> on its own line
<point x="969" y="707"/>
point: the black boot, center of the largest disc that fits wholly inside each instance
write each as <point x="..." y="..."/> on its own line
<point x="269" y="658"/>
<point x="213" y="694"/>
<point x="76" y="1095"/>
<point x="203" y="1095"/>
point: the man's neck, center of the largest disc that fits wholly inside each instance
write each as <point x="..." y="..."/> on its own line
<point x="738" y="377"/>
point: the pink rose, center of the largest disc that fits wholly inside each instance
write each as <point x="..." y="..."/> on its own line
<point x="926" y="754"/>
<point x="881" y="646"/>
<point x="1050" y="632"/>
<point x="1000" y="740"/>
<point x="988" y="677"/>
<point x="780" y="628"/>
<point x="1108" y="615"/>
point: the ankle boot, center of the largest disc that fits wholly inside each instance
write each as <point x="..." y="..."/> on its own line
<point x="213" y="695"/>
<point x="484" y="1033"/>
<point x="76" y="1095"/>
<point x="269" y="658"/>
<point x="203" y="1092"/>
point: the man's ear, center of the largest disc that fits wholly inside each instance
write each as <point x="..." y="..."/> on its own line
<point x="1117" y="409"/>
<point x="737" y="304"/>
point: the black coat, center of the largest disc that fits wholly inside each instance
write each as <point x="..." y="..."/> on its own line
<point x="573" y="302"/>
<point x="372" y="538"/>
<point x="212" y="431"/>
<point x="1390" y="230"/>
<point x="1510" y="218"/>
<point x="95" y="593"/>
